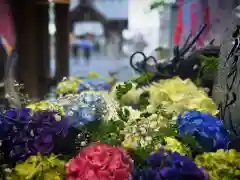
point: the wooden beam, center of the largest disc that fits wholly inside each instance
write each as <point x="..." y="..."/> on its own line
<point x="43" y="42"/>
<point x="26" y="47"/>
<point x="31" y="23"/>
<point x="62" y="40"/>
<point x="53" y="1"/>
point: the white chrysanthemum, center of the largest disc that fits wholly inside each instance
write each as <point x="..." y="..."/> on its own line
<point x="139" y="133"/>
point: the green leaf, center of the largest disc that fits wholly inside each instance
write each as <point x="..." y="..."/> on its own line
<point x="123" y="89"/>
<point x="209" y="63"/>
<point x="36" y="167"/>
<point x="168" y="131"/>
<point x="191" y="142"/>
<point x="159" y="49"/>
<point x="143" y="102"/>
<point x="155" y="5"/>
<point x="143" y="77"/>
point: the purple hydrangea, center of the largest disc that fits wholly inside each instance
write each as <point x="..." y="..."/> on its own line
<point x="168" y="165"/>
<point x="208" y="130"/>
<point x="24" y="133"/>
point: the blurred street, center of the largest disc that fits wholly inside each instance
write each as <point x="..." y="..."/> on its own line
<point x="100" y="64"/>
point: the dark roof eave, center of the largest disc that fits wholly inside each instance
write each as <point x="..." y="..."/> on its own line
<point x="77" y="10"/>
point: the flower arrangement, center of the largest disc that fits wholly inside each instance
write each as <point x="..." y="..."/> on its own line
<point x="73" y="85"/>
<point x="166" y="131"/>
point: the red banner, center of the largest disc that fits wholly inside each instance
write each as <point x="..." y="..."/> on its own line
<point x="6" y="23"/>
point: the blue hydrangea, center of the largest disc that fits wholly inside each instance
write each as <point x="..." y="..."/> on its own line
<point x="168" y="165"/>
<point x="208" y="130"/>
<point x="95" y="84"/>
<point x="84" y="108"/>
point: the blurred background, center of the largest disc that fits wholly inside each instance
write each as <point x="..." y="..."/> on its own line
<point x="60" y="38"/>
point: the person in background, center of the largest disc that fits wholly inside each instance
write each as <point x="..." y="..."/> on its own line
<point x="87" y="45"/>
<point x="139" y="42"/>
<point x="75" y="47"/>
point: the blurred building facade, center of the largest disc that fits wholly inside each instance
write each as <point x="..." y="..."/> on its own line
<point x="221" y="13"/>
<point x="167" y="25"/>
<point x="144" y="21"/>
<point x="105" y="18"/>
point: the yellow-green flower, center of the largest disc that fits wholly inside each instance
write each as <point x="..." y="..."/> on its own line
<point x="46" y="105"/>
<point x="174" y="145"/>
<point x="68" y="85"/>
<point x="220" y="165"/>
<point x="93" y="74"/>
<point x="177" y="95"/>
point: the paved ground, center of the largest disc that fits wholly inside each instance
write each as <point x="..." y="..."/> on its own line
<point x="102" y="65"/>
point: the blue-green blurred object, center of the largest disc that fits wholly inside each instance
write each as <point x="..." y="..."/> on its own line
<point x="95" y="84"/>
<point x="83" y="108"/>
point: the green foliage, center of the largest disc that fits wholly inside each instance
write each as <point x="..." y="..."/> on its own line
<point x="123" y="89"/>
<point x="38" y="168"/>
<point x="144" y="77"/>
<point x="209" y="63"/>
<point x="24" y="98"/>
<point x="221" y="165"/>
<point x="109" y="131"/>
<point x="127" y="93"/>
<point x="143" y="102"/>
<point x="157" y="4"/>
<point x="207" y="68"/>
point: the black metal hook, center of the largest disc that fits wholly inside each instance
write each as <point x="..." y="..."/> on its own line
<point x="143" y="64"/>
<point x="169" y="68"/>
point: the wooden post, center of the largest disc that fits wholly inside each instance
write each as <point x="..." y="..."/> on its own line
<point x="43" y="42"/>
<point x="62" y="40"/>
<point x="31" y="23"/>
<point x="26" y="47"/>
